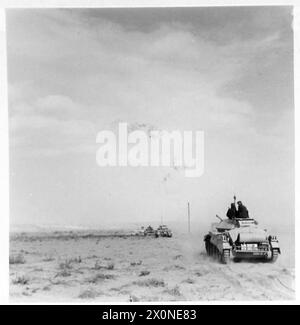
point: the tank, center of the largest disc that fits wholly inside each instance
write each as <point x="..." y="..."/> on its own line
<point x="240" y="239"/>
<point x="149" y="231"/>
<point x="163" y="231"/>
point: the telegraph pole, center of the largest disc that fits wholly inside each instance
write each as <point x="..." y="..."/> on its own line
<point x="189" y="218"/>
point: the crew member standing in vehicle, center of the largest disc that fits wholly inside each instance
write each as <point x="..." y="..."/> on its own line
<point x="231" y="212"/>
<point x="242" y="211"/>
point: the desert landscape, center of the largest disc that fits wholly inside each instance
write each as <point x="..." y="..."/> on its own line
<point x="112" y="266"/>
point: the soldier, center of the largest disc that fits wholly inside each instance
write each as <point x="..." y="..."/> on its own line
<point x="231" y="212"/>
<point x="242" y="211"/>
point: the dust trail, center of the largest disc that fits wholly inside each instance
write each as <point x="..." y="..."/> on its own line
<point x="244" y="280"/>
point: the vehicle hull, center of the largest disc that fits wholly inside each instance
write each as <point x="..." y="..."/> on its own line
<point x="241" y="240"/>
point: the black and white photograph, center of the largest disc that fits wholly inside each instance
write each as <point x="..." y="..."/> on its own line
<point x="151" y="154"/>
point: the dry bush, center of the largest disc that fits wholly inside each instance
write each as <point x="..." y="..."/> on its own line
<point x="109" y="266"/>
<point x="150" y="283"/>
<point x="178" y="257"/>
<point x="76" y="259"/>
<point x="144" y="273"/>
<point x="21" y="280"/>
<point x="173" y="291"/>
<point x="201" y="273"/>
<point x="91" y="256"/>
<point x="100" y="277"/>
<point x="97" y="266"/>
<point x="16" y="259"/>
<point x="133" y="298"/>
<point x="88" y="294"/>
<point x="63" y="273"/>
<point x="66" y="264"/>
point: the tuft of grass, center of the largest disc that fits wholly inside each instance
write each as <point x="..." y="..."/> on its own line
<point x="100" y="277"/>
<point x="21" y="280"/>
<point x="178" y="257"/>
<point x="198" y="273"/>
<point x="88" y="294"/>
<point x="97" y="266"/>
<point x="76" y="259"/>
<point x="144" y="273"/>
<point x="16" y="259"/>
<point x="133" y="298"/>
<point x="109" y="266"/>
<point x="92" y="256"/>
<point x="63" y="273"/>
<point x="67" y="263"/>
<point x="150" y="283"/>
<point x="173" y="291"/>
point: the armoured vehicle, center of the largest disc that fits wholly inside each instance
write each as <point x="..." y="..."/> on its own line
<point x="241" y="238"/>
<point x="163" y="231"/>
<point x="149" y="231"/>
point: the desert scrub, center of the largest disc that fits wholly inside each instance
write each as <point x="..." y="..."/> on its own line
<point x="76" y="259"/>
<point x="173" y="291"/>
<point x="150" y="283"/>
<point x="100" y="277"/>
<point x="16" y="259"/>
<point x="178" y="257"/>
<point x="67" y="264"/>
<point x="88" y="294"/>
<point x="109" y="266"/>
<point x="63" y="273"/>
<point x="21" y="280"/>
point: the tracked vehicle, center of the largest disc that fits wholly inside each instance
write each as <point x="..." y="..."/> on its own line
<point x="241" y="239"/>
<point x="163" y="231"/>
<point x="149" y="231"/>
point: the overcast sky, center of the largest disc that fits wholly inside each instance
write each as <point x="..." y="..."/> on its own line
<point x="73" y="73"/>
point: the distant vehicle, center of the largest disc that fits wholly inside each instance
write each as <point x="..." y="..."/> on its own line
<point x="241" y="238"/>
<point x="163" y="231"/>
<point x="149" y="231"/>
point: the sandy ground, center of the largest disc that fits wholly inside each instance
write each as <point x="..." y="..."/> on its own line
<point x="104" y="269"/>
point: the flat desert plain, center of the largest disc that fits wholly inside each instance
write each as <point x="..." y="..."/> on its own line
<point x="110" y="267"/>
